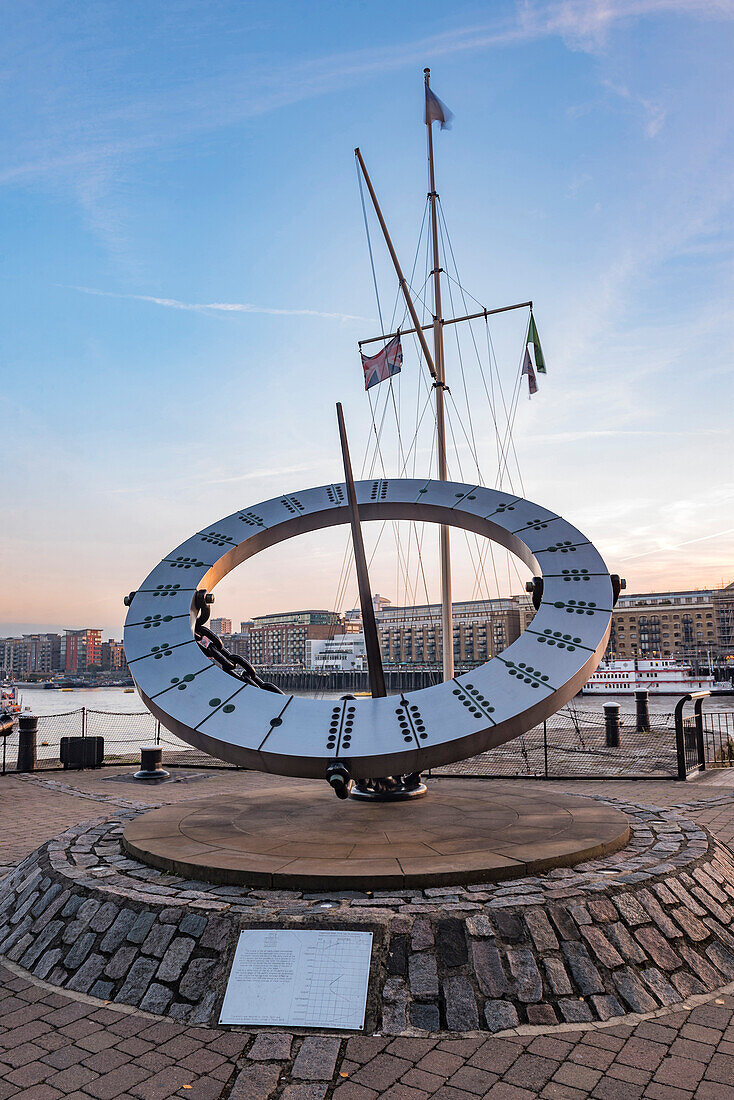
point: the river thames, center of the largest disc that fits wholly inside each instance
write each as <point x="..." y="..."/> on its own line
<point x="119" y="701"/>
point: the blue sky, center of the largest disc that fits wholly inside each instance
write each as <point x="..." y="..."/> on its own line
<point x="163" y="161"/>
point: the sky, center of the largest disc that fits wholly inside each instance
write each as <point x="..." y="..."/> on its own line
<point x="184" y="276"/>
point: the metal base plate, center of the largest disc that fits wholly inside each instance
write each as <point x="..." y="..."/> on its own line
<point x="154" y="775"/>
<point x="397" y="794"/>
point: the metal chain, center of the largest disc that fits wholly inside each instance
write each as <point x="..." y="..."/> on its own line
<point x="212" y="645"/>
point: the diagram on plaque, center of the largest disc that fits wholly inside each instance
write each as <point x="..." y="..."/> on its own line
<point x="288" y="978"/>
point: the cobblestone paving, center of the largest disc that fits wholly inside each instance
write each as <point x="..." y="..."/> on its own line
<point x="53" y="1046"/>
<point x="67" y="1044"/>
<point x="641" y="929"/>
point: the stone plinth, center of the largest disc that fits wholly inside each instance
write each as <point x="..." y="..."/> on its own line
<point x="305" y="838"/>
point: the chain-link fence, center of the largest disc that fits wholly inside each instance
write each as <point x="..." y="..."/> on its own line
<point x="577" y="745"/>
<point x="570" y="744"/>
<point x="124" y="733"/>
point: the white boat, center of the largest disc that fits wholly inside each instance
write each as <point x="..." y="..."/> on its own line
<point x="657" y="675"/>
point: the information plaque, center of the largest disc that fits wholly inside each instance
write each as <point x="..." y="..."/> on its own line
<point x="291" y="978"/>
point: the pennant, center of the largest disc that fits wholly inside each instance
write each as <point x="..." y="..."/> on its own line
<point x="527" y="368"/>
<point x="436" y="111"/>
<point x="384" y="365"/>
<point x="534" y="339"/>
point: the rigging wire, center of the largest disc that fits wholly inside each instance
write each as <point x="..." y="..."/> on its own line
<point x="507" y="443"/>
<point x="487" y="547"/>
<point x="464" y="294"/>
<point x="369" y="243"/>
<point x="374" y="443"/>
<point x="407" y="453"/>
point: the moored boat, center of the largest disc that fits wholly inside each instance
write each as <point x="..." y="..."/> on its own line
<point x="10" y="701"/>
<point x="656" y="675"/>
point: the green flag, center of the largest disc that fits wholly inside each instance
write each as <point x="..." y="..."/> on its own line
<point x="534" y="339"/>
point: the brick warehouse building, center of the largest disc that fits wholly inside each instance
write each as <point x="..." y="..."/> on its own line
<point x="664" y="624"/>
<point x="283" y="639"/>
<point x="691" y="625"/>
<point x="482" y="628"/>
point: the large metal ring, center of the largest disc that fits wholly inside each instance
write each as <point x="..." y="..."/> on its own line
<point x="212" y="710"/>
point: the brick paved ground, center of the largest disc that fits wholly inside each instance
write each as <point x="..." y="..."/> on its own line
<point x="22" y="831"/>
<point x="54" y="1045"/>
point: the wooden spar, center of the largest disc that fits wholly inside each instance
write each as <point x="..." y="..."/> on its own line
<point x="447" y="630"/>
<point x="396" y="263"/>
<point x="369" y="626"/>
<point x="449" y="321"/>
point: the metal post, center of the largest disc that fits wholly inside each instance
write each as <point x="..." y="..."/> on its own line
<point x="447" y="631"/>
<point x="446" y="321"/>
<point x="699" y="697"/>
<point x="369" y="626"/>
<point x="643" y="711"/>
<point x="680" y="747"/>
<point x="402" y="281"/>
<point x="27" y="728"/>
<point x="84" y="721"/>
<point x="151" y="766"/>
<point x="698" y="718"/>
<point x="545" y="747"/>
<point x="611" y="723"/>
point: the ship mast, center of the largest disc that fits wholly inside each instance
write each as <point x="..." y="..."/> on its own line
<point x="435" y="363"/>
<point x="439" y="385"/>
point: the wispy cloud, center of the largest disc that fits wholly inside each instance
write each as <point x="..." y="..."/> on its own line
<point x="653" y="113"/>
<point x="221" y="307"/>
<point x="611" y="433"/>
<point x="251" y="475"/>
<point x="108" y="135"/>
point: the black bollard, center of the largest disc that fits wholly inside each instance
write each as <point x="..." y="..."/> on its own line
<point x="643" y="711"/>
<point x="611" y="721"/>
<point x="27" y="727"/>
<point x="151" y="766"/>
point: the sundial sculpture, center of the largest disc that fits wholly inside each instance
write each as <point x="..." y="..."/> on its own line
<point x="182" y="682"/>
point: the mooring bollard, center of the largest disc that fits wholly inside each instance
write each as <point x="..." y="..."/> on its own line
<point x="643" y="711"/>
<point x="27" y="728"/>
<point x="151" y="766"/>
<point x="611" y="722"/>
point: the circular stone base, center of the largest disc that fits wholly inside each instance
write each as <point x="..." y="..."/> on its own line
<point x="302" y="837"/>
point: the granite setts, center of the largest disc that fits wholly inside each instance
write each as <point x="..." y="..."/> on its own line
<point x="643" y="928"/>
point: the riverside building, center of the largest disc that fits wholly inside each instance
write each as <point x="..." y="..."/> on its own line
<point x="482" y="628"/>
<point x="664" y="624"/>
<point x="283" y="639"/>
<point x="32" y="653"/>
<point x="723" y="604"/>
<point x="337" y="654"/>
<point x="81" y="649"/>
<point x="112" y="656"/>
<point x="221" y="626"/>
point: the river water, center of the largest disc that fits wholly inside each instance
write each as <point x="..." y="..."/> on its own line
<point x="118" y="701"/>
<point x="120" y="717"/>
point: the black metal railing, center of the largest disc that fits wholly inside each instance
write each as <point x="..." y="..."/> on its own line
<point x="570" y="744"/>
<point x="689" y="735"/>
<point x="718" y="738"/>
<point x="703" y="740"/>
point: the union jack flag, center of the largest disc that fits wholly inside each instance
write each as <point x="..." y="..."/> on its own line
<point x="387" y="362"/>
